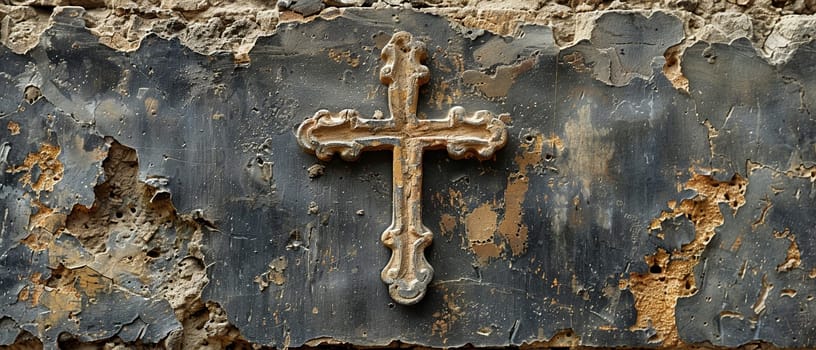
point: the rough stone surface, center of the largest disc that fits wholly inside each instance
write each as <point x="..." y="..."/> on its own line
<point x="657" y="188"/>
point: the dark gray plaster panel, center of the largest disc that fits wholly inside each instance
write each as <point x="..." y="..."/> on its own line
<point x="223" y="136"/>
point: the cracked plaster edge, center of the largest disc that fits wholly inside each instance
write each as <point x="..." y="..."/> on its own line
<point x="779" y="46"/>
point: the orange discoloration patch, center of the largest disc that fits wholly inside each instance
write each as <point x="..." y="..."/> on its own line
<point x="37" y="288"/>
<point x="443" y="94"/>
<point x="42" y="226"/>
<point x="672" y="70"/>
<point x="737" y="243"/>
<point x="671" y="275"/>
<point x="481" y="227"/>
<point x="793" y="257"/>
<point x="450" y="313"/>
<point x="151" y="106"/>
<point x="803" y="172"/>
<point x="511" y="227"/>
<point x="761" y="220"/>
<point x="344" y="56"/>
<point x="62" y="293"/>
<point x="13" y="128"/>
<point x="447" y="224"/>
<point x="563" y="339"/>
<point x="50" y="169"/>
<point x="24" y="294"/>
<point x="274" y="274"/>
<point x="576" y="60"/>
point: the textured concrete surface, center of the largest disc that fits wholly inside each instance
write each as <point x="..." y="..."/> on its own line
<point x="657" y="187"/>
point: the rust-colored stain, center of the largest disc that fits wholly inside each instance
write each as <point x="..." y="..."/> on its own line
<point x="512" y="227"/>
<point x="498" y="84"/>
<point x="737" y="244"/>
<point x="151" y="106"/>
<point x="443" y="94"/>
<point x="803" y="172"/>
<point x="13" y="127"/>
<point x="562" y="339"/>
<point x="487" y="238"/>
<point x="671" y="274"/>
<point x="793" y="257"/>
<point x="464" y="135"/>
<point x="42" y="226"/>
<point x="763" y="214"/>
<point x="447" y="224"/>
<point x="672" y="69"/>
<point x="50" y="169"/>
<point x="61" y="294"/>
<point x="445" y="319"/>
<point x="275" y="274"/>
<point x="344" y="56"/>
<point x="576" y="60"/>
<point x="481" y="227"/>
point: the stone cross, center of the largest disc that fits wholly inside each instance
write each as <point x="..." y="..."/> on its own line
<point x="479" y="135"/>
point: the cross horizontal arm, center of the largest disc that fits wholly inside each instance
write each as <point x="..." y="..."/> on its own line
<point x="345" y="133"/>
<point x="476" y="135"/>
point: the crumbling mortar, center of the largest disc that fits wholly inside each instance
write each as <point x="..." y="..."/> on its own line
<point x="124" y="202"/>
<point x="238" y="25"/>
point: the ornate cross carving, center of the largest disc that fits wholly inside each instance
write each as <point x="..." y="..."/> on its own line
<point x="479" y="135"/>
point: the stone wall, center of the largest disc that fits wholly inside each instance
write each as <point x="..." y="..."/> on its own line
<point x="104" y="250"/>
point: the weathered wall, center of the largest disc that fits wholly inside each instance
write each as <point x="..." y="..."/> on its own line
<point x="657" y="188"/>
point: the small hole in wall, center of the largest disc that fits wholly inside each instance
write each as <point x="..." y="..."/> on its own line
<point x="154" y="253"/>
<point x="119" y="214"/>
<point x="655" y="269"/>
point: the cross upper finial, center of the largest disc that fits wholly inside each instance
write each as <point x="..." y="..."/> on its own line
<point x="404" y="73"/>
<point x="479" y="135"/>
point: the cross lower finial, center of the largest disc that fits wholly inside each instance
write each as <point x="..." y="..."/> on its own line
<point x="478" y="135"/>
